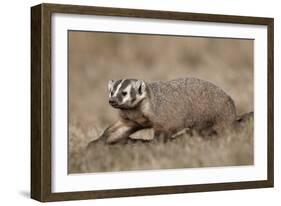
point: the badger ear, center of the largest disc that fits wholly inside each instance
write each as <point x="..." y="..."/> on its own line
<point x="140" y="86"/>
<point x="110" y="85"/>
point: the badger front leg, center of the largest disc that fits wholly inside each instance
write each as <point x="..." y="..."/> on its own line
<point x="119" y="131"/>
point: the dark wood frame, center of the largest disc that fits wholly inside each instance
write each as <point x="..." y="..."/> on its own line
<point x="41" y="101"/>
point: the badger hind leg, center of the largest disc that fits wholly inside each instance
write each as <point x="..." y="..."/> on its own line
<point x="223" y="127"/>
<point x="208" y="132"/>
<point x="205" y="129"/>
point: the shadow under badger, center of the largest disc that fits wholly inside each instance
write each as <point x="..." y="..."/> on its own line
<point x="169" y="107"/>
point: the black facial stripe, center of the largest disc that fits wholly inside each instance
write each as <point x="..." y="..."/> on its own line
<point x="133" y="95"/>
<point x="139" y="90"/>
<point x="119" y="97"/>
<point x="116" y="85"/>
<point x="124" y="84"/>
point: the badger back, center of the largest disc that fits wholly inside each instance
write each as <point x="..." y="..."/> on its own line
<point x="190" y="99"/>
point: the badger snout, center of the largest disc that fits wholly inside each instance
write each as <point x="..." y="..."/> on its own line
<point x="113" y="101"/>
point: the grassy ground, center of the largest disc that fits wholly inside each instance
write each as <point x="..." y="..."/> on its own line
<point x="94" y="58"/>
<point x="183" y="152"/>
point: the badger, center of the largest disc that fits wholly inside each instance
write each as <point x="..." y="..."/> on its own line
<point x="168" y="107"/>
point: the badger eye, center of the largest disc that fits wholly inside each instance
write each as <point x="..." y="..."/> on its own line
<point x="124" y="93"/>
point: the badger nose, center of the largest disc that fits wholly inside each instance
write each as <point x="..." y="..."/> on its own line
<point x="112" y="101"/>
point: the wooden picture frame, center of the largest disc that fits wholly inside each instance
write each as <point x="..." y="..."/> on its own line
<point x="41" y="98"/>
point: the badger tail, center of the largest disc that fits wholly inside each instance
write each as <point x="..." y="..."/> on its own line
<point x="243" y="120"/>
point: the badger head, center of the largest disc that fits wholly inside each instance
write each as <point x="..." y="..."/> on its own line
<point x="126" y="93"/>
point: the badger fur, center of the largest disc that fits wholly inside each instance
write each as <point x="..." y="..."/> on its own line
<point x="168" y="107"/>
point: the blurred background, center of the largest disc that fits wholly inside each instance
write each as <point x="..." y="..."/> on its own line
<point x="96" y="57"/>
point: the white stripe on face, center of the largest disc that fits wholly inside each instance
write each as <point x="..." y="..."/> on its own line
<point x="128" y="96"/>
<point x="110" y="85"/>
<point x="118" y="87"/>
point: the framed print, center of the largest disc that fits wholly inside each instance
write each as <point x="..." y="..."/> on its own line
<point x="129" y="102"/>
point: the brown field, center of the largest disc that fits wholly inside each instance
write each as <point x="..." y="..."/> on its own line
<point x="94" y="58"/>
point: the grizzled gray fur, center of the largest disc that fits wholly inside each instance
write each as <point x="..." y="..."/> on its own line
<point x="168" y="107"/>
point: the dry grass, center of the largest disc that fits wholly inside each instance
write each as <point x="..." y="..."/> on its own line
<point x="97" y="57"/>
<point x="183" y="152"/>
